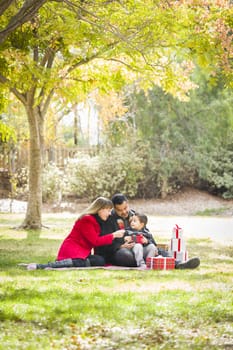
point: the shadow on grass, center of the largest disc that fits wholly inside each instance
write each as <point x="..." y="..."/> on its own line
<point x="32" y="249"/>
<point x="33" y="235"/>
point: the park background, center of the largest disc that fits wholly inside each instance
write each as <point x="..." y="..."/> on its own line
<point x="98" y="97"/>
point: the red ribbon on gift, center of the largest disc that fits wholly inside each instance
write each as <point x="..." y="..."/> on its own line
<point x="179" y="244"/>
<point x="177" y="228"/>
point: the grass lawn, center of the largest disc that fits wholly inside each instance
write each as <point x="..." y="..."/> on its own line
<point x="102" y="309"/>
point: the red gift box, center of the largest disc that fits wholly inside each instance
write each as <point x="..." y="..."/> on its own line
<point x="137" y="238"/>
<point x="160" y="263"/>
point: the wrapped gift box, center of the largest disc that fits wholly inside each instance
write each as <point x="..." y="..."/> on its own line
<point x="181" y="256"/>
<point x="163" y="246"/>
<point x="177" y="245"/>
<point x="137" y="238"/>
<point x="160" y="263"/>
<point x="177" y="232"/>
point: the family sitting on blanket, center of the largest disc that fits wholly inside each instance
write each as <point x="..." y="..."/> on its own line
<point x="107" y="226"/>
<point x="121" y="254"/>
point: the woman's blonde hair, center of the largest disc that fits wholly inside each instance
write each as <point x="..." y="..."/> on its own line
<point x="99" y="203"/>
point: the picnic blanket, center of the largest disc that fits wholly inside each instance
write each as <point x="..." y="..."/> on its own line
<point x="107" y="267"/>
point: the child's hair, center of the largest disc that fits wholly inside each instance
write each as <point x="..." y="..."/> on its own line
<point x="142" y="218"/>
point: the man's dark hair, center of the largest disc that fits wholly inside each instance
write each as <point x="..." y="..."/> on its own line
<point x="119" y="198"/>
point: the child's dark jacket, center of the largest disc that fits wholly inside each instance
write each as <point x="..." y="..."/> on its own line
<point x="145" y="232"/>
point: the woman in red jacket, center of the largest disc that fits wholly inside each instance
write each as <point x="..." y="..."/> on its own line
<point x="75" y="251"/>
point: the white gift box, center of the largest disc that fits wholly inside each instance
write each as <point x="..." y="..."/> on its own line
<point x="181" y="256"/>
<point x="178" y="245"/>
<point x="177" y="232"/>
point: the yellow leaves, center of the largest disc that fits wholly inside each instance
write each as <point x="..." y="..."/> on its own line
<point x="6" y="133"/>
<point x="110" y="106"/>
<point x="224" y="34"/>
<point x="109" y="44"/>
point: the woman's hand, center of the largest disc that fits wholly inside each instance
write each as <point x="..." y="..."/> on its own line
<point x="118" y="234"/>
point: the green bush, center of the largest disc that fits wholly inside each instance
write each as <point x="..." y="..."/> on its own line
<point x="110" y="172"/>
<point x="216" y="168"/>
<point x="81" y="175"/>
<point x="136" y="170"/>
<point x="54" y="183"/>
<point x="122" y="171"/>
<point x="19" y="183"/>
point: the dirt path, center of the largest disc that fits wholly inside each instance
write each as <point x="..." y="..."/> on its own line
<point x="216" y="229"/>
<point x="180" y="209"/>
<point x="187" y="202"/>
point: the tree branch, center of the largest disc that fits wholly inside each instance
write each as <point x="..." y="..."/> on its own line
<point x="4" y="4"/>
<point x="107" y="26"/>
<point x="47" y="102"/>
<point x="18" y="94"/>
<point x="90" y="58"/>
<point x="25" y="13"/>
<point x="47" y="61"/>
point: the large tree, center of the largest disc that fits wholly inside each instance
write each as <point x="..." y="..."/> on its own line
<point x="75" y="46"/>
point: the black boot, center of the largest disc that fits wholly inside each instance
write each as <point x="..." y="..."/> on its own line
<point x="56" y="264"/>
<point x="189" y="264"/>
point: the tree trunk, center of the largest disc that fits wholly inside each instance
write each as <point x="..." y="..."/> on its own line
<point x="75" y="111"/>
<point x="33" y="219"/>
<point x="163" y="187"/>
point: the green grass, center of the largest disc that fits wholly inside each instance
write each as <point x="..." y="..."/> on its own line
<point x="110" y="310"/>
<point x="212" y="211"/>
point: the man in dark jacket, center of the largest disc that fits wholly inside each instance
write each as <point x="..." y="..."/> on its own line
<point x="118" y="253"/>
<point x="121" y="254"/>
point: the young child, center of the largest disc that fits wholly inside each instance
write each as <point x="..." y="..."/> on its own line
<point x="144" y="243"/>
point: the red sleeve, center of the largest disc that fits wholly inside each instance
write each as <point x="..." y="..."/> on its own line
<point x="90" y="230"/>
